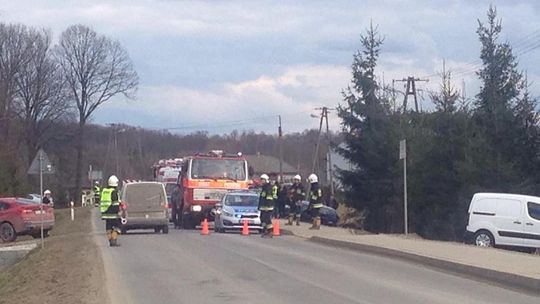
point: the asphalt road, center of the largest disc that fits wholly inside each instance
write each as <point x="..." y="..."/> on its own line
<point x="185" y="267"/>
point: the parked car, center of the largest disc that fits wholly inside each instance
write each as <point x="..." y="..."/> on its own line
<point x="36" y="198"/>
<point x="146" y="206"/>
<point x="235" y="208"/>
<point x="20" y="216"/>
<point x="504" y="220"/>
<point x="328" y="215"/>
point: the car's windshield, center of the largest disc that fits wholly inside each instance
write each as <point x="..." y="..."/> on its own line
<point x="218" y="169"/>
<point x="239" y="200"/>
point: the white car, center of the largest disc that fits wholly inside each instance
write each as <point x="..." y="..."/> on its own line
<point x="505" y="220"/>
<point x="235" y="208"/>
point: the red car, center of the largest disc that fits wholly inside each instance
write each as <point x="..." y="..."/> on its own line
<point x="20" y="216"/>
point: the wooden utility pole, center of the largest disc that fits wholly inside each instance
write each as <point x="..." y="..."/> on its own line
<point x="324" y="117"/>
<point x="280" y="133"/>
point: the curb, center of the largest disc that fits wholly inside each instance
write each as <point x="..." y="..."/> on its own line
<point x="504" y="279"/>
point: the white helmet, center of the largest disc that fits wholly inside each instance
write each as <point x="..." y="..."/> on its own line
<point x="265" y="178"/>
<point x="47" y="192"/>
<point x="297" y="177"/>
<point x="113" y="181"/>
<point x="313" y="178"/>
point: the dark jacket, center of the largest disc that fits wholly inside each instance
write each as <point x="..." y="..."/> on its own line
<point x="297" y="192"/>
<point x="315" y="196"/>
<point x="266" y="200"/>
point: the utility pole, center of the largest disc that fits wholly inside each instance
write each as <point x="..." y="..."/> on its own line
<point x="280" y="133"/>
<point x="116" y="149"/>
<point x="323" y="117"/>
<point x="329" y="155"/>
<point x="410" y="90"/>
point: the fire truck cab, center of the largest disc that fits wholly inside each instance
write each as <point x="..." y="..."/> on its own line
<point x="204" y="180"/>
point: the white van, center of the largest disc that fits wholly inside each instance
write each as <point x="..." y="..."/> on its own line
<point x="505" y="220"/>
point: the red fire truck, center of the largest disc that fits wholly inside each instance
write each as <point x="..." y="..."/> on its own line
<point x="204" y="180"/>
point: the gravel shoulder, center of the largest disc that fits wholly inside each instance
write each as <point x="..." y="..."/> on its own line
<point x="68" y="270"/>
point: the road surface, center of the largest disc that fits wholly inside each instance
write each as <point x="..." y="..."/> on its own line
<point x="185" y="267"/>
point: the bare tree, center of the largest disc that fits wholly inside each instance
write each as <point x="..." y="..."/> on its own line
<point x="40" y="96"/>
<point x="445" y="100"/>
<point x="14" y="53"/>
<point x="95" y="68"/>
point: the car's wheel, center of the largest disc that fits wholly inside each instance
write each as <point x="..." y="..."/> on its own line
<point x="45" y="233"/>
<point x="484" y="238"/>
<point x="157" y="229"/>
<point x="165" y="229"/>
<point x="7" y="233"/>
<point x="123" y="230"/>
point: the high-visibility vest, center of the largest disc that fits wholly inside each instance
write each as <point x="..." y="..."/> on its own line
<point x="266" y="201"/>
<point x="106" y="202"/>
<point x="97" y="192"/>
<point x="275" y="192"/>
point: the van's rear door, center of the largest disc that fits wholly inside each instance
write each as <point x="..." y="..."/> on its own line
<point x="145" y="200"/>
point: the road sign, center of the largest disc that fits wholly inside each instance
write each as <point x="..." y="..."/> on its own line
<point x="95" y="175"/>
<point x="41" y="165"/>
<point x="45" y="165"/>
<point x="402" y="149"/>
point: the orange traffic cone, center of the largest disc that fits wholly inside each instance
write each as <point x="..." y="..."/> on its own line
<point x="276" y="227"/>
<point x="204" y="230"/>
<point x="245" y="228"/>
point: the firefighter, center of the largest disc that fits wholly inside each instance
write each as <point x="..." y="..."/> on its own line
<point x="315" y="201"/>
<point x="266" y="206"/>
<point x="297" y="194"/>
<point x="47" y="198"/>
<point x="110" y="210"/>
<point x="175" y="206"/>
<point x="275" y="194"/>
<point x="97" y="193"/>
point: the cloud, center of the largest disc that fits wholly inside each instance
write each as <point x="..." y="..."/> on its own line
<point x="256" y="58"/>
<point x="253" y="104"/>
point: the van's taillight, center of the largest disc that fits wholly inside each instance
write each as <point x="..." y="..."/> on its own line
<point x="123" y="206"/>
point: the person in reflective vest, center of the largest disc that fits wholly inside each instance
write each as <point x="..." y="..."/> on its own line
<point x="266" y="206"/>
<point x="315" y="201"/>
<point x="97" y="193"/>
<point x="275" y="190"/>
<point x="109" y="206"/>
<point x="297" y="194"/>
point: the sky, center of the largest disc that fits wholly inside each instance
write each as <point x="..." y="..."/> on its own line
<point x="223" y="65"/>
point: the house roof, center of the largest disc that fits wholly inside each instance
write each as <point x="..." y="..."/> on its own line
<point x="268" y="164"/>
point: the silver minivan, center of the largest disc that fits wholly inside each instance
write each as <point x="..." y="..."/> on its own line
<point x="146" y="206"/>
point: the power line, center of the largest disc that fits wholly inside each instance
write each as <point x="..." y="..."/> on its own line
<point x="523" y="45"/>
<point x="253" y="120"/>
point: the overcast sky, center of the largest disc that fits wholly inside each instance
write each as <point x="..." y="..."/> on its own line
<point x="223" y="65"/>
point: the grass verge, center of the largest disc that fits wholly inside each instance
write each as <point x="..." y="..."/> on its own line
<point x="68" y="270"/>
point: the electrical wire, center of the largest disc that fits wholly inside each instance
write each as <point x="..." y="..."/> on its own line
<point x="523" y="45"/>
<point x="254" y="121"/>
